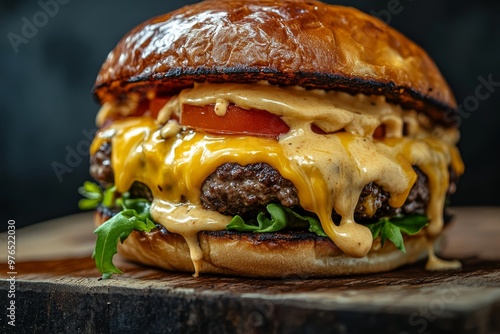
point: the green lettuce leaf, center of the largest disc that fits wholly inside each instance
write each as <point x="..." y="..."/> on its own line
<point x="140" y="205"/>
<point x="392" y="229"/>
<point x="133" y="217"/>
<point x="95" y="196"/>
<point x="410" y="224"/>
<point x="276" y="219"/>
<point x="279" y="217"/>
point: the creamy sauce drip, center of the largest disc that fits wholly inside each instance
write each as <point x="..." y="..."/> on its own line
<point x="220" y="108"/>
<point x="187" y="220"/>
<point x="320" y="166"/>
<point x="110" y="110"/>
<point x="345" y="164"/>
<point x="434" y="263"/>
<point x="171" y="128"/>
<point x="168" y="110"/>
<point x="106" y="112"/>
<point x="331" y="111"/>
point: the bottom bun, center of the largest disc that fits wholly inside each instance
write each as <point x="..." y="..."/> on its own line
<point x="281" y="254"/>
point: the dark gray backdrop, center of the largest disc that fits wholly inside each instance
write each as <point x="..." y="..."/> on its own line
<point x="47" y="110"/>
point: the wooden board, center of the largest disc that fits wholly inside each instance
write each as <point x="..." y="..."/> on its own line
<point x="58" y="291"/>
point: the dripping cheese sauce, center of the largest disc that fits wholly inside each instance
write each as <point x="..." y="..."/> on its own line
<point x="329" y="170"/>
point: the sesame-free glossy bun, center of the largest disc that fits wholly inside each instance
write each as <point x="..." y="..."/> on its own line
<point x="286" y="42"/>
<point x="272" y="255"/>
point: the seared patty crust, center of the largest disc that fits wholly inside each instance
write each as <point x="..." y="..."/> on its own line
<point x="233" y="189"/>
<point x="246" y="190"/>
<point x="237" y="190"/>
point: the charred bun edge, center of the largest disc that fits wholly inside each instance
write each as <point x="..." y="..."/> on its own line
<point x="266" y="255"/>
<point x="180" y="78"/>
<point x="339" y="51"/>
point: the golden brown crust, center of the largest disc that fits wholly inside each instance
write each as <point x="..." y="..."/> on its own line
<point x="286" y="42"/>
<point x="257" y="255"/>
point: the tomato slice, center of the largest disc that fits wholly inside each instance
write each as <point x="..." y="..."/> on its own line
<point x="317" y="129"/>
<point x="156" y="104"/>
<point x="379" y="132"/>
<point x="149" y="107"/>
<point x="236" y="121"/>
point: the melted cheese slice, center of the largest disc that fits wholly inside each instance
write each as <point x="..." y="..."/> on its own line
<point x="328" y="170"/>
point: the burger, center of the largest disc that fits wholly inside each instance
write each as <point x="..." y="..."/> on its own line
<point x="271" y="139"/>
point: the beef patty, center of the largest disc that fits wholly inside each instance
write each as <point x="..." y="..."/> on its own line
<point x="246" y="190"/>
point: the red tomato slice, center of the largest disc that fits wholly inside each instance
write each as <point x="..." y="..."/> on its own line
<point x="317" y="129"/>
<point x="150" y="107"/>
<point x="145" y="107"/>
<point x="236" y="121"/>
<point x="156" y="104"/>
<point x="379" y="132"/>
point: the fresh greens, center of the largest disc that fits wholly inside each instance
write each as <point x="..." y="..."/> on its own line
<point x="140" y="205"/>
<point x="392" y="229"/>
<point x="276" y="219"/>
<point x="95" y="196"/>
<point x="279" y="217"/>
<point x="117" y="228"/>
<point x="134" y="216"/>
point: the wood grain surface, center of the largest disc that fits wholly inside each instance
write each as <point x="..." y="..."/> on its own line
<point x="58" y="291"/>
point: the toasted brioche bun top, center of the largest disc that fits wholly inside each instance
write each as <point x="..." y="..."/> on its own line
<point x="286" y="42"/>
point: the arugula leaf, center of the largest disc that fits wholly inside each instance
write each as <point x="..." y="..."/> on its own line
<point x="117" y="228"/>
<point x="393" y="228"/>
<point x="90" y="190"/>
<point x="276" y="219"/>
<point x="376" y="228"/>
<point x="238" y="224"/>
<point x="140" y="205"/>
<point x="314" y="224"/>
<point x="108" y="197"/>
<point x="95" y="196"/>
<point x="88" y="204"/>
<point x="134" y="216"/>
<point x="92" y="194"/>
<point x="411" y="224"/>
<point x="393" y="233"/>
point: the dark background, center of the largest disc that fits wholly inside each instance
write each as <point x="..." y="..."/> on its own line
<point x="46" y="107"/>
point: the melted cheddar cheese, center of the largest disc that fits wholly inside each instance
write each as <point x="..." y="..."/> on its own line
<point x="328" y="170"/>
